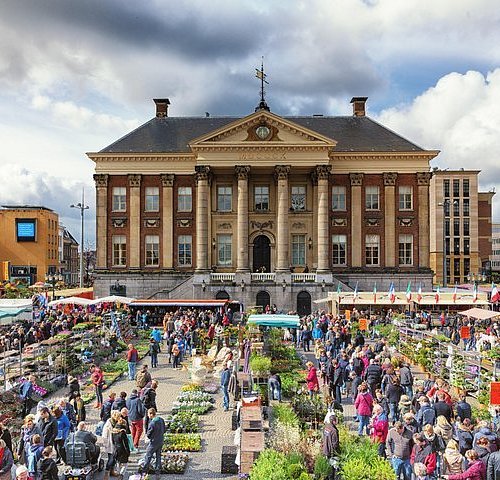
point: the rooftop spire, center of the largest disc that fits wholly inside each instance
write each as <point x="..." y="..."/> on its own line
<point x="262" y="76"/>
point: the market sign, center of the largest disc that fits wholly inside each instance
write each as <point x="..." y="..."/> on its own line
<point x="495" y="393"/>
<point x="363" y="324"/>
<point x="464" y="333"/>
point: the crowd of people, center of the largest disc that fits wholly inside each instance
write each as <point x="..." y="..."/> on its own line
<point x="419" y="425"/>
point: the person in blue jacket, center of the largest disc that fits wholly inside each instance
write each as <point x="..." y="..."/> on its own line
<point x="156" y="335"/>
<point x="156" y="431"/>
<point x="63" y="428"/>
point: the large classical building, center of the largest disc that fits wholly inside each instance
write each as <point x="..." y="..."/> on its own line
<point x="263" y="209"/>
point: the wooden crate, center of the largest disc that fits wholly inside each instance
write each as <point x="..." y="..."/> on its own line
<point x="251" y="418"/>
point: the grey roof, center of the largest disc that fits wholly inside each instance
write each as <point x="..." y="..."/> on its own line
<point x="173" y="134"/>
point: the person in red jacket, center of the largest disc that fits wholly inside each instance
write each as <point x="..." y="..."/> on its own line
<point x="312" y="379"/>
<point x="379" y="428"/>
<point x="132" y="359"/>
<point x="422" y="453"/>
<point x="97" y="378"/>
<point x="476" y="470"/>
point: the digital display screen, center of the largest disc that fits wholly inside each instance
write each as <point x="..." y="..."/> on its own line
<point x="26" y="230"/>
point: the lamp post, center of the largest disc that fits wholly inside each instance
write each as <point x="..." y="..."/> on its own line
<point x="52" y="280"/>
<point x="82" y="207"/>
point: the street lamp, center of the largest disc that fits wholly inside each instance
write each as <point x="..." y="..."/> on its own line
<point x="53" y="280"/>
<point x="82" y="207"/>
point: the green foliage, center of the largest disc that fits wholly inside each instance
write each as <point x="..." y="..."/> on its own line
<point x="322" y="468"/>
<point x="481" y="413"/>
<point x="116" y="366"/>
<point x="275" y="465"/>
<point x="285" y="414"/>
<point x="290" y="383"/>
<point x="294" y="470"/>
<point x="391" y="332"/>
<point x="309" y="410"/>
<point x="260" y="364"/>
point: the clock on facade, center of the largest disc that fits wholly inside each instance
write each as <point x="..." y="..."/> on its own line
<point x="262" y="132"/>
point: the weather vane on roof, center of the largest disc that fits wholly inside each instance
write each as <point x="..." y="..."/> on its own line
<point x="262" y="76"/>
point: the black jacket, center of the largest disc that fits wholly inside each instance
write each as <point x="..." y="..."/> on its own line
<point x="330" y="440"/>
<point x="106" y="409"/>
<point x="48" y="468"/>
<point x="48" y="429"/>
<point x="393" y="393"/>
<point x="442" y="408"/>
<point x="464" y="410"/>
<point x="373" y="374"/>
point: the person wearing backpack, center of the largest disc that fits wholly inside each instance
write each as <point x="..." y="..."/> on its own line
<point x="154" y="350"/>
<point x="148" y="398"/>
<point x="426" y="415"/>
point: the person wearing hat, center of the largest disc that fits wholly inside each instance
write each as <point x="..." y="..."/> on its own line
<point x="404" y="405"/>
<point x="21" y="473"/>
<point x="224" y="382"/>
<point x="74" y="387"/>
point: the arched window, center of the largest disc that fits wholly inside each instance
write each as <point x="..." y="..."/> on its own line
<point x="304" y="303"/>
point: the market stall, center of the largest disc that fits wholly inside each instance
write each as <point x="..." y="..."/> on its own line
<point x="274" y="320"/>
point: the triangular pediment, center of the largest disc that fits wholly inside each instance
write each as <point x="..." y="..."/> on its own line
<point x="264" y="129"/>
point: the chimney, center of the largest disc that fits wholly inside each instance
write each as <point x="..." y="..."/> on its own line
<point x="161" y="107"/>
<point x="358" y="106"/>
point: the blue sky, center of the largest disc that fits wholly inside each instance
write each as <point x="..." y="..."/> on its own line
<point x="75" y="76"/>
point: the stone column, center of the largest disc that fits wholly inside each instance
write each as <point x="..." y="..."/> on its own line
<point x="423" y="181"/>
<point x="167" y="220"/>
<point x="356" y="219"/>
<point x="202" y="212"/>
<point x="322" y="175"/>
<point x="281" y="176"/>
<point x="134" y="183"/>
<point x="242" y="172"/>
<point x="390" y="218"/>
<point x="101" y="185"/>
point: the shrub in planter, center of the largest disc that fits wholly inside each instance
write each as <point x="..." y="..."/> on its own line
<point x="322" y="468"/>
<point x="260" y="364"/>
<point x="191" y="387"/>
<point x="285" y="414"/>
<point x="278" y="466"/>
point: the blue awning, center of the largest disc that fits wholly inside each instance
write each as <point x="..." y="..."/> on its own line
<point x="278" y="320"/>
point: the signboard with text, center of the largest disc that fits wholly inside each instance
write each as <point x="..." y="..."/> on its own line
<point x="464" y="333"/>
<point x="495" y="393"/>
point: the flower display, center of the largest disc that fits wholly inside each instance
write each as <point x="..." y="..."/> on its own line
<point x="185" y="442"/>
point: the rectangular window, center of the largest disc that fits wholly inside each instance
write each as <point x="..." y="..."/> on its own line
<point x="456" y="188"/>
<point x="466" y="227"/>
<point x="465" y="188"/>
<point x="184" y="199"/>
<point x="261" y="195"/>
<point x="456" y="227"/>
<point x="119" y="199"/>
<point x="372" y="198"/>
<point x="447" y="246"/>
<point x="339" y="243"/>
<point x="456" y="268"/>
<point x="446" y="188"/>
<point x="405" y="198"/>
<point x="456" y="208"/>
<point x="372" y="250"/>
<point x="119" y="250"/>
<point x="405" y="250"/>
<point x="224" y="250"/>
<point x="456" y="246"/>
<point x="448" y="270"/>
<point x="224" y="198"/>
<point x="466" y="207"/>
<point x="152" y="199"/>
<point x="338" y="198"/>
<point x="185" y="250"/>
<point x="466" y="266"/>
<point x="447" y="209"/>
<point x="447" y="227"/>
<point x="298" y="250"/>
<point x="298" y="197"/>
<point x="152" y="246"/>
<point x="466" y="246"/>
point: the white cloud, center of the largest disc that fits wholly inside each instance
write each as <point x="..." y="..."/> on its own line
<point x="460" y="116"/>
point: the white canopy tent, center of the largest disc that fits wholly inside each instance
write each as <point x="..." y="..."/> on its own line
<point x="480" y="313"/>
<point x="113" y="299"/>
<point x="71" y="301"/>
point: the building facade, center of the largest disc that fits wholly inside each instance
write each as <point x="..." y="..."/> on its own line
<point x="68" y="256"/>
<point x="29" y="242"/>
<point x="262" y="209"/>
<point x="495" y="249"/>
<point x="465" y="214"/>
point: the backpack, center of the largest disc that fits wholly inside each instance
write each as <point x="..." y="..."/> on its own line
<point x="146" y="397"/>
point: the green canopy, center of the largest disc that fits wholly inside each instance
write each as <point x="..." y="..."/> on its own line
<point x="278" y="320"/>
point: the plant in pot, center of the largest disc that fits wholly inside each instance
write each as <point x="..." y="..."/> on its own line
<point x="260" y="365"/>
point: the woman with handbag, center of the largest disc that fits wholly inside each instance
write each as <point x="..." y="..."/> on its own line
<point x="312" y="379"/>
<point x="121" y="446"/>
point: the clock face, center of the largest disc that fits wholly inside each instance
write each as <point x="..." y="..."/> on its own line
<point x="262" y="132"/>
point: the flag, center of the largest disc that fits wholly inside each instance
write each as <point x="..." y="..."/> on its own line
<point x="355" y="296"/>
<point x="419" y="294"/>
<point x="408" y="292"/>
<point x="375" y="293"/>
<point x="437" y="294"/>
<point x="474" y="293"/>
<point x="455" y="294"/>
<point x="495" y="295"/>
<point x="392" y="293"/>
<point x="339" y="289"/>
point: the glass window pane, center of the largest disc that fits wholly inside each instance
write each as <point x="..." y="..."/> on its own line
<point x="184" y="248"/>
<point x="405" y="198"/>
<point x="456" y="188"/>
<point x="298" y="200"/>
<point x="465" y="187"/>
<point x="372" y="198"/>
<point x="338" y="198"/>
<point x="466" y="207"/>
<point x="152" y="199"/>
<point x="261" y="193"/>
<point x="184" y="199"/>
<point x="446" y="188"/>
<point x="339" y="243"/>
<point x="119" y="250"/>
<point x="224" y="198"/>
<point x="372" y="250"/>
<point x="224" y="250"/>
<point x="119" y="199"/>
<point x="405" y="250"/>
<point x="298" y="250"/>
<point x="152" y="250"/>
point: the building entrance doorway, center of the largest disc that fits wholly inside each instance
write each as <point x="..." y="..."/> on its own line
<point x="303" y="303"/>
<point x="263" y="299"/>
<point x="261" y="254"/>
